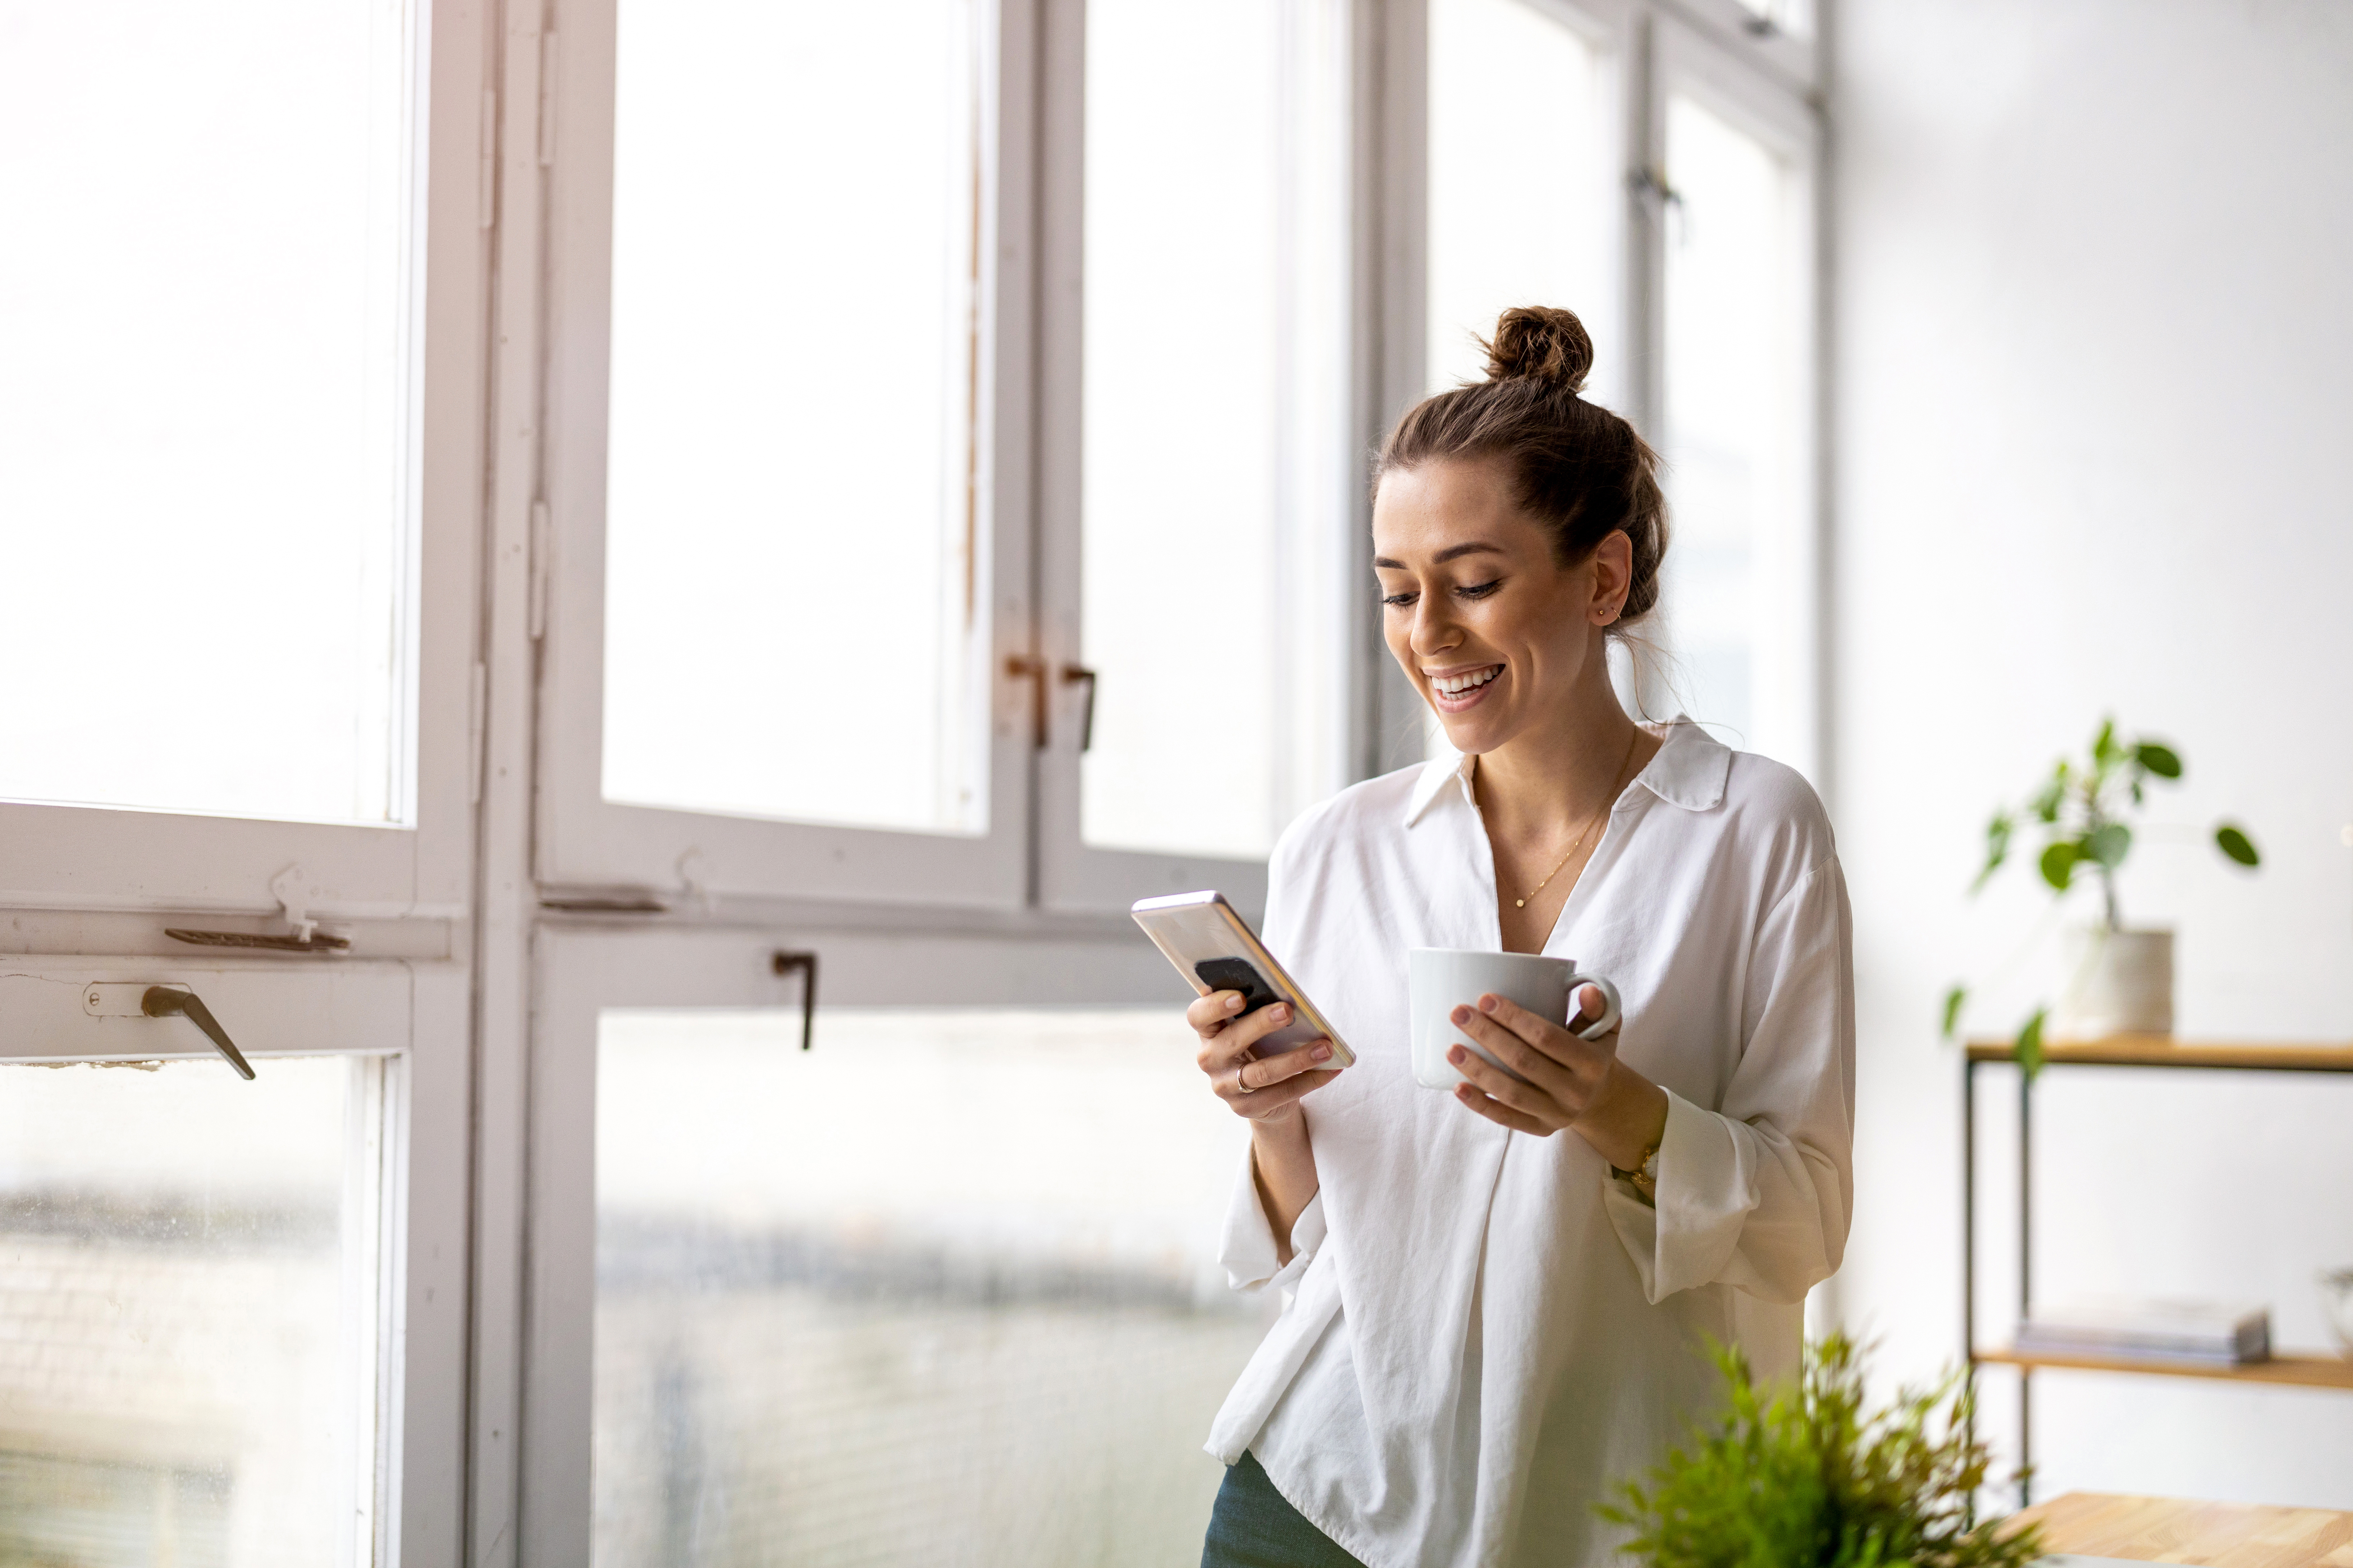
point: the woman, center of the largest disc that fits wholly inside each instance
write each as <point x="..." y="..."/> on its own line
<point x="1499" y="1298"/>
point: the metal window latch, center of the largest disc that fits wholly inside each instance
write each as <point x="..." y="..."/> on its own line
<point x="1033" y="670"/>
<point x="137" y="999"/>
<point x="293" y="891"/>
<point x="805" y="965"/>
<point x="1651" y="184"/>
<point x="1036" y="671"/>
<point x="1073" y="674"/>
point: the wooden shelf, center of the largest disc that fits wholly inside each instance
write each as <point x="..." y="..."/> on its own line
<point x="2164" y="1051"/>
<point x="2296" y="1370"/>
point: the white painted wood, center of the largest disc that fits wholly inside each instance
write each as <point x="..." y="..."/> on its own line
<point x="505" y="900"/>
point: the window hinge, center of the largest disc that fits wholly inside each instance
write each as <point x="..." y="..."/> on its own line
<point x="488" y="176"/>
<point x="542" y="548"/>
<point x="477" y="717"/>
<point x="546" y="101"/>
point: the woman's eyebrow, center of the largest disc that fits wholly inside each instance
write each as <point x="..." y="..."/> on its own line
<point x="1443" y="557"/>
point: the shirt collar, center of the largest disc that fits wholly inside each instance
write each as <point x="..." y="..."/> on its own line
<point x="1689" y="771"/>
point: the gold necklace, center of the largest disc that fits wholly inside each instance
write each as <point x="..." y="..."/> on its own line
<point x="1615" y="786"/>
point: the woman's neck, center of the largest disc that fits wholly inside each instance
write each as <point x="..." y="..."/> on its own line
<point x="1556" y="775"/>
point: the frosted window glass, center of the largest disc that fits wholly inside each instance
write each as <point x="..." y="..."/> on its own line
<point x="187" y="1285"/>
<point x="206" y="384"/>
<point x="1216" y="552"/>
<point x="943" y="1291"/>
<point x="1735" y="432"/>
<point x="1523" y="201"/>
<point x="793" y="526"/>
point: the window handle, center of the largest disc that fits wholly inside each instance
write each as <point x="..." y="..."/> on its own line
<point x="110" y="999"/>
<point x="1072" y="674"/>
<point x="162" y="1002"/>
<point x="805" y="965"/>
<point x="1020" y="667"/>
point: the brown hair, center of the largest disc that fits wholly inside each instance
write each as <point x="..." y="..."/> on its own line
<point x="1575" y="467"/>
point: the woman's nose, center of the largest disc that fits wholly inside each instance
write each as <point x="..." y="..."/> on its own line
<point x="1433" y="632"/>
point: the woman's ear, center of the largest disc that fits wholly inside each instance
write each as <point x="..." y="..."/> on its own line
<point x="1613" y="576"/>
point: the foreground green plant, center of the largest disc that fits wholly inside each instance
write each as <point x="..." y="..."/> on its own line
<point x="1805" y="1478"/>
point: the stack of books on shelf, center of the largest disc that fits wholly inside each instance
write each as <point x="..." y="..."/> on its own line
<point x="2203" y="1333"/>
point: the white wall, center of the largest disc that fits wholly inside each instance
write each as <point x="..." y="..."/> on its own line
<point x="2094" y="451"/>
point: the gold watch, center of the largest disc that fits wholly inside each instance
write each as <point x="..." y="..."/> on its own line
<point x="1644" y="1177"/>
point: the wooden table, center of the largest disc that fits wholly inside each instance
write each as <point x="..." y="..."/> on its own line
<point x="2169" y="1530"/>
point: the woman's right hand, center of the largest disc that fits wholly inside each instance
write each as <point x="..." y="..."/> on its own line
<point x="1266" y="1091"/>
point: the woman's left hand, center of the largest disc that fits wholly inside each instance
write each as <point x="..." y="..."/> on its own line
<point x="1572" y="1082"/>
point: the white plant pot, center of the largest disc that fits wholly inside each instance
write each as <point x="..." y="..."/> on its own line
<point x="2119" y="982"/>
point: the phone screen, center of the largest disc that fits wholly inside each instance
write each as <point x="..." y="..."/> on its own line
<point x="1238" y="974"/>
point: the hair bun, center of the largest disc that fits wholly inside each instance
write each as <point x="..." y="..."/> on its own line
<point x="1541" y="343"/>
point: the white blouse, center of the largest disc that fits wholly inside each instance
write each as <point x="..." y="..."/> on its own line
<point x="1484" y="1330"/>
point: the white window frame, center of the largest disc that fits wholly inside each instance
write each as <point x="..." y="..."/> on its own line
<point x="70" y="858"/>
<point x="583" y="969"/>
<point x="1709" y="68"/>
<point x="1073" y="876"/>
<point x="416" y="1017"/>
<point x="590" y="849"/>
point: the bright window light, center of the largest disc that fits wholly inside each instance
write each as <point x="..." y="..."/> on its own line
<point x="833" y="1327"/>
<point x="208" y="383"/>
<point x="1524" y="196"/>
<point x="795" y="572"/>
<point x="1736" y="590"/>
<point x="189" y="1283"/>
<point x="1216" y="462"/>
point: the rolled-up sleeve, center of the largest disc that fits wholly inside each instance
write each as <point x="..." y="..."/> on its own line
<point x="1758" y="1192"/>
<point x="1248" y="1252"/>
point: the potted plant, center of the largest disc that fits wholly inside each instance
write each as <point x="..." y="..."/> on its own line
<point x="1803" y="1478"/>
<point x="2120" y="980"/>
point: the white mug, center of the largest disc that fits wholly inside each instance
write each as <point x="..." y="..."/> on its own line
<point x="1440" y="978"/>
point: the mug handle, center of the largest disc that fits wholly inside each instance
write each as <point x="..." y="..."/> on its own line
<point x="1610" y="1013"/>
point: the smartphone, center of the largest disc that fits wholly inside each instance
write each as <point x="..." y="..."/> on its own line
<point x="1215" y="950"/>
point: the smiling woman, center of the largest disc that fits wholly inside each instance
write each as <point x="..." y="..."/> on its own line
<point x="1489" y="1322"/>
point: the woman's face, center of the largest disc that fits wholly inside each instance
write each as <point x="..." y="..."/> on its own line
<point x="1491" y="629"/>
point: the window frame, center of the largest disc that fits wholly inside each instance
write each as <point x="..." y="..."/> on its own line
<point x="97" y="858"/>
<point x="582" y="968"/>
<point x="1073" y="876"/>
<point x="1683" y="59"/>
<point x="414" y="1017"/>
<point x="589" y="848"/>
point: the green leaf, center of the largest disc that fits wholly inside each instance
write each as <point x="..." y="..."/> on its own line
<point x="2027" y="1051"/>
<point x="1812" y="1474"/>
<point x="2159" y="760"/>
<point x="1953" y="1000"/>
<point x="2233" y="842"/>
<point x="2059" y="863"/>
<point x="2108" y="844"/>
<point x="2104" y="745"/>
<point x="1997" y="846"/>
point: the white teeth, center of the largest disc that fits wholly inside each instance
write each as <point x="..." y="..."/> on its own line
<point x="1453" y="684"/>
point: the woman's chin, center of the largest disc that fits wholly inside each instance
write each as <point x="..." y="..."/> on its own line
<point x="1470" y="733"/>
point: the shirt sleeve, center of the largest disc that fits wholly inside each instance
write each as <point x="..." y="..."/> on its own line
<point x="1248" y="1252"/>
<point x="1758" y="1193"/>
